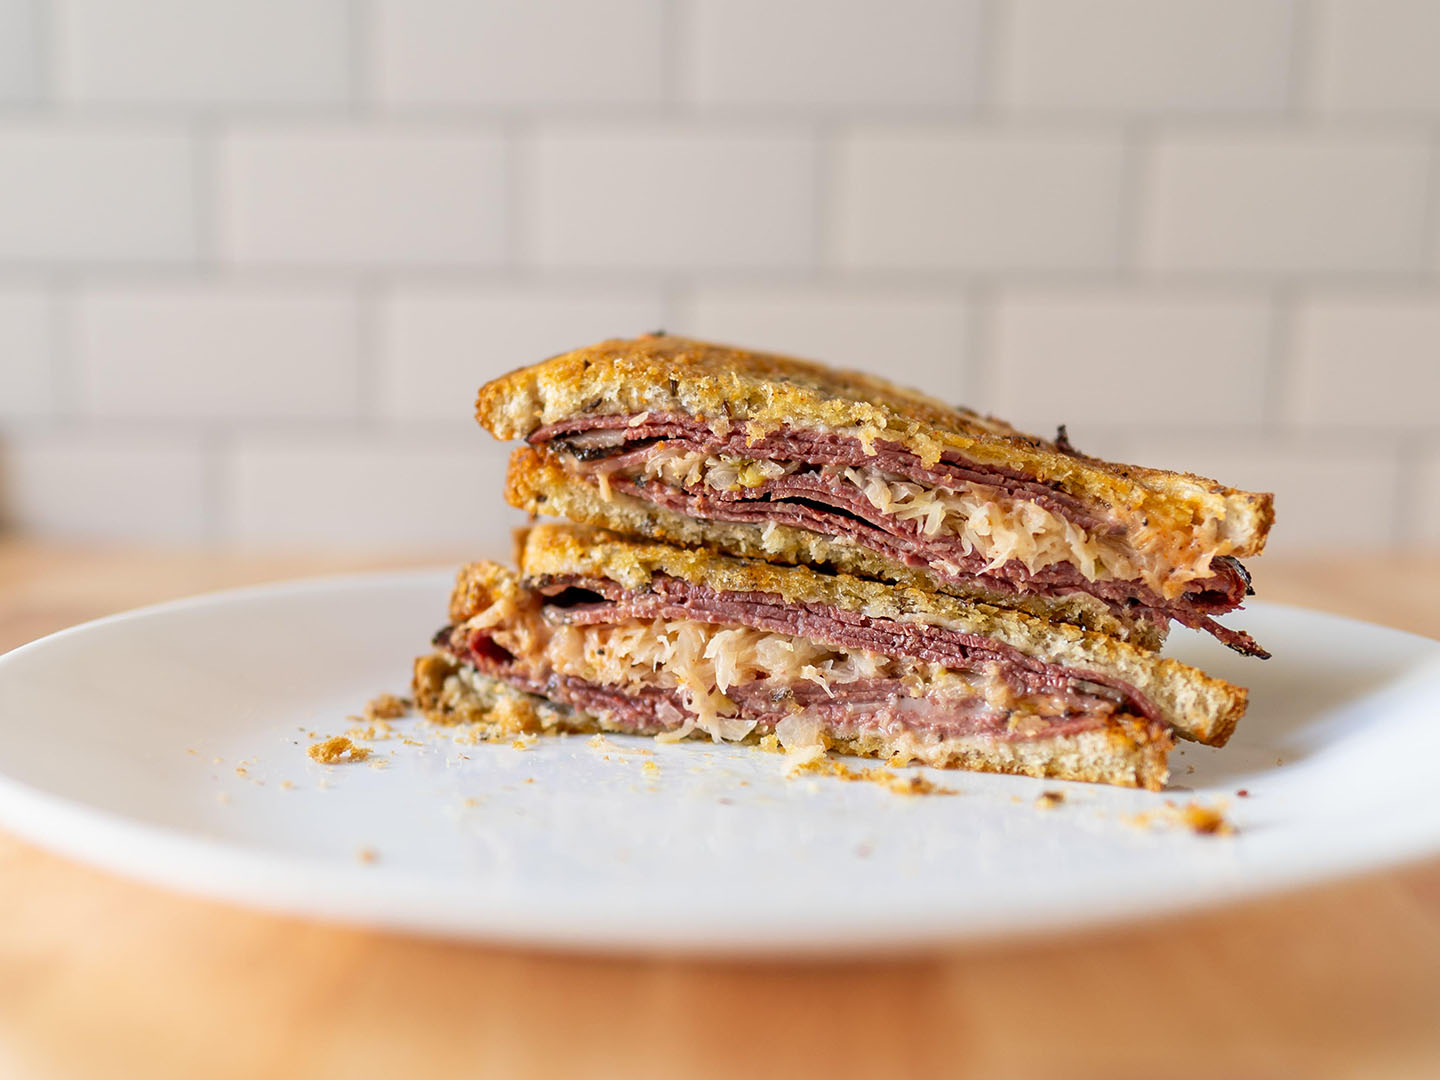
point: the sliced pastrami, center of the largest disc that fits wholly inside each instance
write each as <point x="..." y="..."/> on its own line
<point x="675" y="598"/>
<point x="592" y="437"/>
<point x="846" y="709"/>
<point x="812" y="507"/>
<point x="820" y="500"/>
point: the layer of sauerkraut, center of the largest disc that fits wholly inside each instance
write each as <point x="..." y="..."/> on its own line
<point x="983" y="519"/>
<point x="701" y="661"/>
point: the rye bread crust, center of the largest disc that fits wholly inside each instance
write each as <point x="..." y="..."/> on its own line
<point x="537" y="483"/>
<point x="667" y="374"/>
<point x="1194" y="704"/>
<point x="1123" y="754"/>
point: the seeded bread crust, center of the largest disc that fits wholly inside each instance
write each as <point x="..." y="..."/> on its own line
<point x="668" y="374"/>
<point x="1194" y="704"/>
<point x="537" y="483"/>
<point x="1123" y="753"/>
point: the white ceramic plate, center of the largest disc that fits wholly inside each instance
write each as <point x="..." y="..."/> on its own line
<point x="120" y="742"/>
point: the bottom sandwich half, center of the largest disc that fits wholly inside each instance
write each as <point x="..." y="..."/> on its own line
<point x="598" y="633"/>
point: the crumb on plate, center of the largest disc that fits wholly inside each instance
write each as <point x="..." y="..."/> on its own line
<point x="387" y="707"/>
<point x="882" y="775"/>
<point x="337" y="749"/>
<point x="1048" y="800"/>
<point x="1195" y="816"/>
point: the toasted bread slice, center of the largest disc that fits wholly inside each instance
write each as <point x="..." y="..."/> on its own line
<point x="665" y="374"/>
<point x="1195" y="705"/>
<point x="844" y="469"/>
<point x="538" y="483"/>
<point x="1125" y="754"/>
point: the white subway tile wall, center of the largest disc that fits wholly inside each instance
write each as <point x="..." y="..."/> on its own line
<point x="177" y="53"/>
<point x="934" y="199"/>
<point x="924" y="335"/>
<point x="438" y="343"/>
<point x="1148" y="57"/>
<point x="256" y="256"/>
<point x="668" y="198"/>
<point x="20" y="49"/>
<point x="919" y="53"/>
<point x="27" y="355"/>
<point x="205" y="352"/>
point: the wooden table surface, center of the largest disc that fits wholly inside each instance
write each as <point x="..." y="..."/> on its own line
<point x="102" y="977"/>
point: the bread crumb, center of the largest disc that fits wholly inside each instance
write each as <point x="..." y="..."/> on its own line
<point x="286" y="784"/>
<point x="387" y="707"/>
<point x="376" y="730"/>
<point x="1195" y="816"/>
<point x="367" y="855"/>
<point x="1048" y="800"/>
<point x="1206" y="820"/>
<point x="217" y="761"/>
<point x="337" y="749"/>
<point x="188" y="750"/>
<point x="240" y="770"/>
<point x="524" y="741"/>
<point x="650" y="769"/>
<point x="886" y="778"/>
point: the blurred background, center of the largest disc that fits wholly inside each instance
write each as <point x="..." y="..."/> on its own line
<point x="257" y="255"/>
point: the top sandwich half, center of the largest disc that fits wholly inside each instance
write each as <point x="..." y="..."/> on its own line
<point x="765" y="456"/>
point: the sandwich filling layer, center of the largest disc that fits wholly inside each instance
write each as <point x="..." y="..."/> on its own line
<point x="959" y="520"/>
<point x="680" y="658"/>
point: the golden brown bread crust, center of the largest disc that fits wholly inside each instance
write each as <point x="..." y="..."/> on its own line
<point x="1196" y="705"/>
<point x="673" y="374"/>
<point x="1124" y="753"/>
<point x="536" y="482"/>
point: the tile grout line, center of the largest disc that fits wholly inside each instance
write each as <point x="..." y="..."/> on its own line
<point x="979" y="377"/>
<point x="1137" y="156"/>
<point x="61" y="289"/>
<point x="672" y="48"/>
<point x="1430" y="222"/>
<point x="1405" y="528"/>
<point x="671" y="292"/>
<point x="990" y="36"/>
<point x="824" y="192"/>
<point x="1280" y="358"/>
<point x="367" y="296"/>
<point x="46" y="41"/>
<point x="216" y="450"/>
<point x="517" y="146"/>
<point x="360" y="82"/>
<point x="205" y="137"/>
<point x="1304" y="39"/>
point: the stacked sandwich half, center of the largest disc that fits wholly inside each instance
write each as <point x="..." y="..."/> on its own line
<point x="767" y="550"/>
